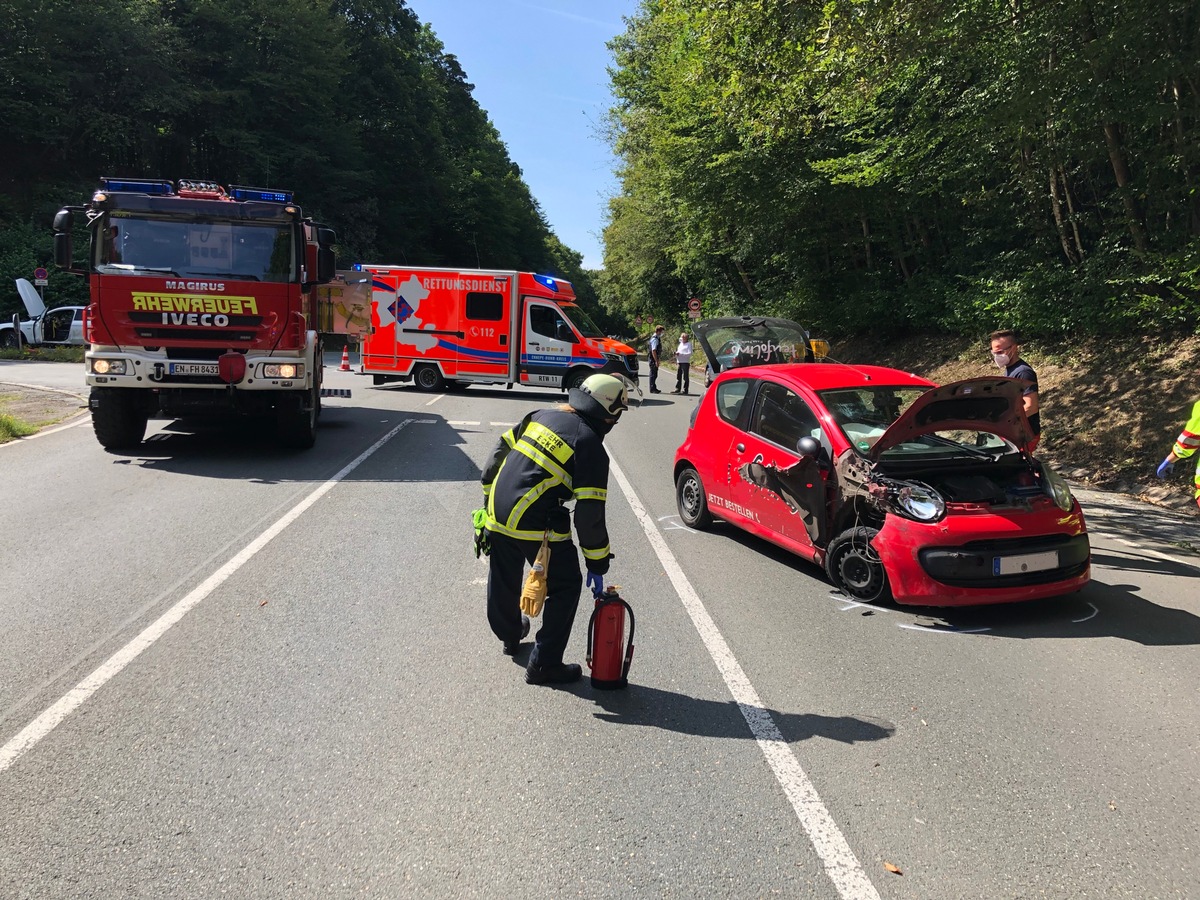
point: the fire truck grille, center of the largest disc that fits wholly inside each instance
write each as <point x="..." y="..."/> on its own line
<point x="222" y="336"/>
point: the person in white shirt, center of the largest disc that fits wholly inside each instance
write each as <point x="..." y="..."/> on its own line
<point x="683" y="357"/>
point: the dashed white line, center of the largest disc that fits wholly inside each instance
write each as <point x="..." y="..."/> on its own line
<point x="32" y="733"/>
<point x="841" y="865"/>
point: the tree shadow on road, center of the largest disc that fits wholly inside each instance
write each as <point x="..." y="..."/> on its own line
<point x="672" y="711"/>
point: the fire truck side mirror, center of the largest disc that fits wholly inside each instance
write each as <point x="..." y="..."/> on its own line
<point x="326" y="262"/>
<point x="63" y="249"/>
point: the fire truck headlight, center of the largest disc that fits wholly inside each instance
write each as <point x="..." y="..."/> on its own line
<point x="283" y="370"/>
<point x="108" y="366"/>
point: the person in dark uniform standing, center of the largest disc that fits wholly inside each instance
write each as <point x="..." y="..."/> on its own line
<point x="654" y="357"/>
<point x="1006" y="353"/>
<point x="550" y="457"/>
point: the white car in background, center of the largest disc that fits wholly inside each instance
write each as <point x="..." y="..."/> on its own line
<point x="62" y="326"/>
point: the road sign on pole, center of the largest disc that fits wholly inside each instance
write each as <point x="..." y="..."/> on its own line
<point x="39" y="277"/>
<point x="694" y="304"/>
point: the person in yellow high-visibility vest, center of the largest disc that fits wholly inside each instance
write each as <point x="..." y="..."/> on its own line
<point x="553" y="456"/>
<point x="1185" y="445"/>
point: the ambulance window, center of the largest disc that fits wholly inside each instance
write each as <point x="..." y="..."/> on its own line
<point x="548" y="322"/>
<point x="485" y="307"/>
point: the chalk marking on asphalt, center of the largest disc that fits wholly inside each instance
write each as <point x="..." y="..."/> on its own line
<point x="839" y="597"/>
<point x="841" y="865"/>
<point x="931" y="630"/>
<point x="48" y="720"/>
<point x="1095" y="612"/>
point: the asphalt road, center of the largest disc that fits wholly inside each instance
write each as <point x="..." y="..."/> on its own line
<point x="230" y="670"/>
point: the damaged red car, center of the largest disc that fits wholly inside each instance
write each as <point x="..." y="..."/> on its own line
<point x="899" y="488"/>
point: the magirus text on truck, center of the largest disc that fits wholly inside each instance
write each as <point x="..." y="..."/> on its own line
<point x="457" y="327"/>
<point x="201" y="302"/>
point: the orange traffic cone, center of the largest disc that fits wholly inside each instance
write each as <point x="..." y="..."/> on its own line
<point x="345" y="366"/>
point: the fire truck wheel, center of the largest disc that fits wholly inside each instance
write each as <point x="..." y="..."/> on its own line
<point x="427" y="378"/>
<point x="118" y="418"/>
<point x="689" y="497"/>
<point x="297" y="429"/>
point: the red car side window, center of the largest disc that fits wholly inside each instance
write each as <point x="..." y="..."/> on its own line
<point x="731" y="397"/>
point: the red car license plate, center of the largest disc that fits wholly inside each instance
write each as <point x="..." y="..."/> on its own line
<point x="1026" y="562"/>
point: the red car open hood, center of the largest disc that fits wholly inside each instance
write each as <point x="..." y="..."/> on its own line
<point x="991" y="404"/>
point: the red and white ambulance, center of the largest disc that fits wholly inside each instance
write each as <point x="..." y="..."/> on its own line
<point x="455" y="327"/>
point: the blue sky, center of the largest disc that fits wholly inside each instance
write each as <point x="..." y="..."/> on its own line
<point x="540" y="72"/>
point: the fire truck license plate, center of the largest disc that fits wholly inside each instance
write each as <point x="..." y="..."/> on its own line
<point x="1029" y="562"/>
<point x="193" y="368"/>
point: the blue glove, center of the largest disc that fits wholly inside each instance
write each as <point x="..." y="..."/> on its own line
<point x="1165" y="467"/>
<point x="596" y="583"/>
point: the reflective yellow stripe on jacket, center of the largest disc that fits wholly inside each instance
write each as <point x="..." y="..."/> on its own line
<point x="550" y="453"/>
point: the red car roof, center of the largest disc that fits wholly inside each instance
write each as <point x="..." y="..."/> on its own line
<point x="824" y="376"/>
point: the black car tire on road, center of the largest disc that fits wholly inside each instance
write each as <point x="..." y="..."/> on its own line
<point x="854" y="566"/>
<point x="690" y="498"/>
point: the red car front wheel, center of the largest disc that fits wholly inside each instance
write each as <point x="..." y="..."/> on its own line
<point x="854" y="566"/>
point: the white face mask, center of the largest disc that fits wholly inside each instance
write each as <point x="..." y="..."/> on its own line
<point x="1002" y="359"/>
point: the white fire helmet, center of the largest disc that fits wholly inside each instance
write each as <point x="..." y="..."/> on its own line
<point x="609" y="391"/>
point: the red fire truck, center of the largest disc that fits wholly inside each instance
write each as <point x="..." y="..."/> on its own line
<point x="201" y="303"/>
<point x="440" y="327"/>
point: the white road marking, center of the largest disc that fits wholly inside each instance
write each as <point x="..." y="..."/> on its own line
<point x="435" y="399"/>
<point x="32" y="733"/>
<point x="841" y="865"/>
<point x="1095" y="612"/>
<point x="502" y="424"/>
<point x="460" y="422"/>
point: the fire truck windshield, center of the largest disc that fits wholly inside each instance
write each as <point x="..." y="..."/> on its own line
<point x="134" y="244"/>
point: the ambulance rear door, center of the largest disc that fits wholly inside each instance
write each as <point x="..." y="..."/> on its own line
<point x="486" y="346"/>
<point x="549" y="342"/>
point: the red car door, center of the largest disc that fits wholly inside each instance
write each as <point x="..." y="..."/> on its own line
<point x="784" y="491"/>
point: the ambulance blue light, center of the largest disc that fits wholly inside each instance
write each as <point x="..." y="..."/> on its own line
<point x="358" y="267"/>
<point x="249" y="193"/>
<point x="547" y="280"/>
<point x="136" y="186"/>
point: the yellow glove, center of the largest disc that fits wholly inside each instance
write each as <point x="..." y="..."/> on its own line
<point x="533" y="594"/>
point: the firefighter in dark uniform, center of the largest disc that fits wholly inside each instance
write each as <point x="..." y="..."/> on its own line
<point x="552" y="456"/>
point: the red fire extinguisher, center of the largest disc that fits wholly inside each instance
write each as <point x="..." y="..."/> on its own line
<point x="605" y="640"/>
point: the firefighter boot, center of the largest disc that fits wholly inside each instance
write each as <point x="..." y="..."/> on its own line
<point x="558" y="673"/>
<point x="511" y="648"/>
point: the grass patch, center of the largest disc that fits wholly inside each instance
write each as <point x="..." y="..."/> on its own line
<point x="45" y="354"/>
<point x="12" y="428"/>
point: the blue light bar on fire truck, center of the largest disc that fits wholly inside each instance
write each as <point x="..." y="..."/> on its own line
<point x="238" y="192"/>
<point x="548" y="281"/>
<point x="136" y="186"/>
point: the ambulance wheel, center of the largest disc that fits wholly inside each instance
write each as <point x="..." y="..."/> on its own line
<point x="427" y="378"/>
<point x="576" y="378"/>
<point x="691" y="500"/>
<point x="118" y="418"/>
<point x="854" y="566"/>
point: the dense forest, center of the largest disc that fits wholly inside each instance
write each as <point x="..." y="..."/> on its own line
<point x="354" y="105"/>
<point x="953" y="165"/>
